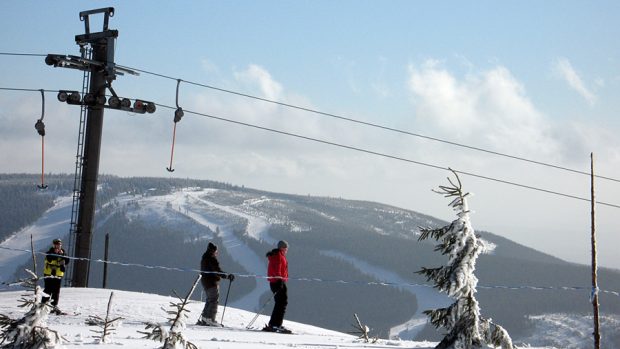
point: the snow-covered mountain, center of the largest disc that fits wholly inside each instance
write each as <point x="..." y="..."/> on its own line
<point x="346" y="257"/>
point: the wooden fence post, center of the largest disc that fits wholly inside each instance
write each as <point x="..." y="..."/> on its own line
<point x="597" y="335"/>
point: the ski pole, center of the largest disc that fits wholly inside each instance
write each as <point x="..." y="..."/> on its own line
<point x="226" y="301"/>
<point x="260" y="311"/>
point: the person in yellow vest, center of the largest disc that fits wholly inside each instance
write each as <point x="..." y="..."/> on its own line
<point x="55" y="263"/>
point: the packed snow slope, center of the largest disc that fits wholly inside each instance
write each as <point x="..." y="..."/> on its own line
<point x="137" y="308"/>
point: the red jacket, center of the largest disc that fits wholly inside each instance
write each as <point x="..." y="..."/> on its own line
<point x="277" y="269"/>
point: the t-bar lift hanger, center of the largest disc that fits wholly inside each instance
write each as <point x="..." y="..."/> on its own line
<point x="178" y="114"/>
<point x="40" y="127"/>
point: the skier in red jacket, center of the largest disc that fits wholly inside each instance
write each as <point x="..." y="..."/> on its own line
<point x="277" y="275"/>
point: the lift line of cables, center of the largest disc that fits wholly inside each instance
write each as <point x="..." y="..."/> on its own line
<point x="316" y="279"/>
<point x="374" y="125"/>
<point x="372" y="152"/>
<point x="367" y="151"/>
<point x="340" y="117"/>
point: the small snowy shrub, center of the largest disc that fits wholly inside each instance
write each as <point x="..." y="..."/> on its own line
<point x="172" y="337"/>
<point x="363" y="331"/>
<point x="107" y="325"/>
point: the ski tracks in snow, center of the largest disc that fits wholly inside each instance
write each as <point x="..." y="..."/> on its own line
<point x="427" y="297"/>
<point x="236" y="248"/>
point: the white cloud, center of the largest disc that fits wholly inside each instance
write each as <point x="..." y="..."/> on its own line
<point x="565" y="70"/>
<point x="582" y="138"/>
<point x="488" y="108"/>
<point x="209" y="67"/>
<point x="257" y="75"/>
<point x="258" y="81"/>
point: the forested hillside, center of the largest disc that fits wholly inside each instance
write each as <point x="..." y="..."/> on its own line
<point x="21" y="202"/>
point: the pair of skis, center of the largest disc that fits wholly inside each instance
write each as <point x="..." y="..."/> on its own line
<point x="265" y="329"/>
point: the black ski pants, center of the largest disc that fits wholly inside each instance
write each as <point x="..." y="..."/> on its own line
<point x="52" y="287"/>
<point x="280" y="296"/>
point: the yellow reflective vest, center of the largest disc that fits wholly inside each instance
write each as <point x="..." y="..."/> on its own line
<point x="54" y="265"/>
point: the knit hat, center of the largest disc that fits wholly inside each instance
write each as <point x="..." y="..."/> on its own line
<point x="57" y="241"/>
<point x="282" y="244"/>
<point x="211" y="247"/>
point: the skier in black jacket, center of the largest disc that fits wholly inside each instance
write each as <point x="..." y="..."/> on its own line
<point x="211" y="276"/>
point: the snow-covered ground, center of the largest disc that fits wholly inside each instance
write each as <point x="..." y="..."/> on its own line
<point x="137" y="308"/>
<point x="571" y="332"/>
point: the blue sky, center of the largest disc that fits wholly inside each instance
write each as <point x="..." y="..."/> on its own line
<point x="535" y="79"/>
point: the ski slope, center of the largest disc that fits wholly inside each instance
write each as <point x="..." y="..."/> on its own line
<point x="137" y="308"/>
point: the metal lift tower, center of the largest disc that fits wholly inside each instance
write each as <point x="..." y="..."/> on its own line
<point x="102" y="72"/>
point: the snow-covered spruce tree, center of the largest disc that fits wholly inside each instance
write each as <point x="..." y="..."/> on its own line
<point x="173" y="337"/>
<point x="465" y="327"/>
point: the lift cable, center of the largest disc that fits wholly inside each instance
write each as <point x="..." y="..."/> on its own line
<point x="22" y="54"/>
<point x="372" y="152"/>
<point x="340" y="117"/>
<point x="365" y="123"/>
<point x="26" y="89"/>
